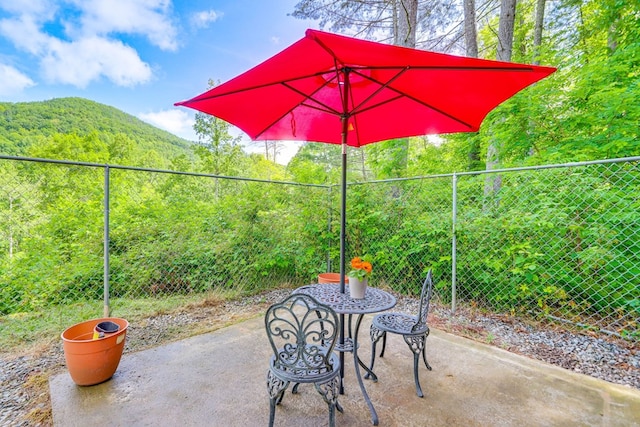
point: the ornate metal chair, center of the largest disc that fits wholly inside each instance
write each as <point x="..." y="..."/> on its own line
<point x="413" y="329"/>
<point x="302" y="333"/>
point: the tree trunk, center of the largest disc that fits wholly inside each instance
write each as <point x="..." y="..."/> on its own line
<point x="493" y="182"/>
<point x="505" y="29"/>
<point x="470" y="33"/>
<point x="612" y="35"/>
<point x="537" y="34"/>
<point x="406" y="14"/>
<point x="471" y="49"/>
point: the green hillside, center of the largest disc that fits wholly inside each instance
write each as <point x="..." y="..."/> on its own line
<point x="27" y="124"/>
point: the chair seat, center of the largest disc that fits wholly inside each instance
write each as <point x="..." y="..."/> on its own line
<point x="303" y="374"/>
<point x="399" y="323"/>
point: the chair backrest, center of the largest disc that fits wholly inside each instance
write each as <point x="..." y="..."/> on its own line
<point x="302" y="333"/>
<point x="425" y="299"/>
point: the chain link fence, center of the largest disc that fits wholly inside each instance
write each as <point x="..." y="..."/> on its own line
<point x="556" y="242"/>
<point x="547" y="242"/>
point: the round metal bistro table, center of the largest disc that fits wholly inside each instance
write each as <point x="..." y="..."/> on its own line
<point x="375" y="300"/>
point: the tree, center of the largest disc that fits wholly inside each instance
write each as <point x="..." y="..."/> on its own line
<point x="405" y="22"/>
<point x="470" y="33"/>
<point x="218" y="150"/>
<point x="272" y="149"/>
<point x="18" y="207"/>
<point x="373" y="19"/>
<point x="537" y="34"/>
<point x="503" y="53"/>
<point x="505" y="29"/>
<point x="596" y="115"/>
<point x="471" y="50"/>
<point x="398" y="19"/>
<point x="316" y="164"/>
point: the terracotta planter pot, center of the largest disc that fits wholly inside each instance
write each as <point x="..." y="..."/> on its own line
<point x="357" y="287"/>
<point x="92" y="361"/>
<point x="331" y="278"/>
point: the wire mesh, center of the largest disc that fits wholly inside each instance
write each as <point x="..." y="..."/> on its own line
<point x="560" y="243"/>
<point x="555" y="243"/>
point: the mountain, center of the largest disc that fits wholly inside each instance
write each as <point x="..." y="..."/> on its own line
<point x="23" y="124"/>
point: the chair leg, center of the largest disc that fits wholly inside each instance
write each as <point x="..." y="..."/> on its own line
<point x="424" y="350"/>
<point x="329" y="392"/>
<point x="416" y="358"/>
<point x="375" y="334"/>
<point x="272" y="412"/>
<point x="384" y="343"/>
<point x="424" y="357"/>
<point x="276" y="388"/>
<point x="417" y="344"/>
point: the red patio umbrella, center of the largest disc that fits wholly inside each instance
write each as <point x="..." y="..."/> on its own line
<point x="341" y="90"/>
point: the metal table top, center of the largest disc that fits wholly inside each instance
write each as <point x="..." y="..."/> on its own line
<point x="375" y="300"/>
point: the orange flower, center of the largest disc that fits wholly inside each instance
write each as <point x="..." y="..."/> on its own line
<point x="360" y="268"/>
<point x="366" y="266"/>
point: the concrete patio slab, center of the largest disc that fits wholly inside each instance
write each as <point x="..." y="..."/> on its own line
<point x="219" y="379"/>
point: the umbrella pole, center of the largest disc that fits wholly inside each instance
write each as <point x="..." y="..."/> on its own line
<point x="343" y="213"/>
<point x="344" y="122"/>
<point x="343" y="226"/>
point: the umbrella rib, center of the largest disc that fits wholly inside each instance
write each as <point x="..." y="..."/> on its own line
<point x="326" y="109"/>
<point x="381" y="87"/>
<point x="254" y="87"/>
<point x="249" y="88"/>
<point x="442" y="68"/>
<point x="359" y="109"/>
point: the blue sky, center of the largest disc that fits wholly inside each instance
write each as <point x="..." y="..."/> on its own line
<point x="139" y="56"/>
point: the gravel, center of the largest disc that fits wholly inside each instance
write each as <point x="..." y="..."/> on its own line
<point x="24" y="395"/>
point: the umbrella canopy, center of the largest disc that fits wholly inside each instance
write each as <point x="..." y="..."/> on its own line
<point x="341" y="90"/>
<point x="383" y="91"/>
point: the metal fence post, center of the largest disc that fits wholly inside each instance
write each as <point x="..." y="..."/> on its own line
<point x="106" y="242"/>
<point x="454" y="211"/>
<point x="584" y="211"/>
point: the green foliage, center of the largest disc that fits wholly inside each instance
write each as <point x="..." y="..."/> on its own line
<point x="403" y="233"/>
<point x="537" y="243"/>
<point x="316" y="164"/>
<point x="388" y="159"/>
<point x="545" y="246"/>
<point x="218" y="152"/>
<point x="119" y="137"/>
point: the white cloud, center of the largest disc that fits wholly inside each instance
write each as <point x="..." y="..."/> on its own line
<point x="79" y="63"/>
<point x="87" y="50"/>
<point x="204" y="18"/>
<point x="149" y="18"/>
<point x="31" y="7"/>
<point x="25" y="34"/>
<point x="13" y="81"/>
<point x="176" y="121"/>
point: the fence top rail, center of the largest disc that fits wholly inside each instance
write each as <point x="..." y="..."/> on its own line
<point x="493" y="171"/>
<point x="141" y="169"/>
<point x="444" y="175"/>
